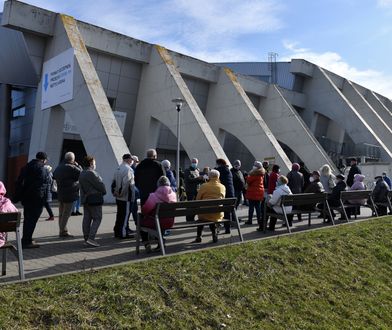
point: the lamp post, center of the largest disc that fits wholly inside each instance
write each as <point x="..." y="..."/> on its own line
<point x="179" y="102"/>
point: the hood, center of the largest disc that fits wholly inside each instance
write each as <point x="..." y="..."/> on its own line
<point x="2" y="189"/>
<point x="359" y="177"/>
<point x="284" y="188"/>
<point x="257" y="172"/>
<point x="165" y="194"/>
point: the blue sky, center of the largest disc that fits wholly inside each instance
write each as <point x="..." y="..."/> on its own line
<point x="349" y="37"/>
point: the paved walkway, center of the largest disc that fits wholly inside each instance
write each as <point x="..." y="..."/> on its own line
<point x="56" y="256"/>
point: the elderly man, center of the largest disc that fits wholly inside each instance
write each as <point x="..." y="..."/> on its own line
<point x="147" y="174"/>
<point x="212" y="189"/>
<point x="192" y="181"/>
<point x="32" y="189"/>
<point x="67" y="178"/>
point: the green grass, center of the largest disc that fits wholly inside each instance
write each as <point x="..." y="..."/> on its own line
<point x="336" y="278"/>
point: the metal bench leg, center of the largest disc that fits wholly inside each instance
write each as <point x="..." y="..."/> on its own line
<point x="344" y="210"/>
<point x="373" y="205"/>
<point x="286" y="220"/>
<point x="4" y="263"/>
<point x="330" y="213"/>
<point x="234" y="215"/>
<point x="20" y="254"/>
<point x="138" y="234"/>
<point x="159" y="231"/>
<point x="309" y="218"/>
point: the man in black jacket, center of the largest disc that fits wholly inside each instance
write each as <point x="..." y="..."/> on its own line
<point x="354" y="169"/>
<point x="238" y="181"/>
<point x="33" y="185"/>
<point x="147" y="174"/>
<point x="67" y="178"/>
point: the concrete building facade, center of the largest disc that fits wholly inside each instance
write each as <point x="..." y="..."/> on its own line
<point x="122" y="102"/>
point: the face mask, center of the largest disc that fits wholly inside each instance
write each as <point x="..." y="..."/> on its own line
<point x="311" y="179"/>
<point x="237" y="167"/>
<point x="193" y="165"/>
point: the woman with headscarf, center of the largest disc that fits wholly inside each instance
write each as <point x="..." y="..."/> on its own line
<point x="6" y="206"/>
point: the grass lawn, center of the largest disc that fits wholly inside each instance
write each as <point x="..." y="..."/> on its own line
<point x="335" y="278"/>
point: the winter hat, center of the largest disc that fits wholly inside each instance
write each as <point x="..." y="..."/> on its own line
<point x="166" y="163"/>
<point x="163" y="181"/>
<point x="295" y="167"/>
<point x="41" y="155"/>
<point x="258" y="164"/>
<point x="237" y="163"/>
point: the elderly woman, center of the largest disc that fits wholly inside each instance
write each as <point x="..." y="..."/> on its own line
<point x="327" y="179"/>
<point x="212" y="189"/>
<point x="92" y="190"/>
<point x="5" y="207"/>
<point x="163" y="194"/>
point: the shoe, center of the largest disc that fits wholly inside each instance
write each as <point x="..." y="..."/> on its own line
<point x="92" y="243"/>
<point x="66" y="235"/>
<point x="31" y="245"/>
<point x="147" y="246"/>
<point x="73" y="213"/>
<point x="78" y="213"/>
<point x="197" y="240"/>
<point x="214" y="238"/>
<point x="49" y="219"/>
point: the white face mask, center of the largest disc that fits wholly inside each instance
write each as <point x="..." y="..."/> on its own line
<point x="311" y="179"/>
<point x="254" y="168"/>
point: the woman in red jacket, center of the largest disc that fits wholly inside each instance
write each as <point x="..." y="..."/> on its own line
<point x="255" y="191"/>
<point x="273" y="177"/>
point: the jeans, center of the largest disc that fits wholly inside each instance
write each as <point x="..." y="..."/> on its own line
<point x="238" y="195"/>
<point x="254" y="205"/>
<point x="48" y="209"/>
<point x="31" y="215"/>
<point x="92" y="218"/>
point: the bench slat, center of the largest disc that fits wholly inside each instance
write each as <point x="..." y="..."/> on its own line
<point x="303" y="199"/>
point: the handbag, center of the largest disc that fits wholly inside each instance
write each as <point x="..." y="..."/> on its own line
<point x="94" y="199"/>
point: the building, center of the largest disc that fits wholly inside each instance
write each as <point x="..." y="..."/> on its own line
<point x="76" y="86"/>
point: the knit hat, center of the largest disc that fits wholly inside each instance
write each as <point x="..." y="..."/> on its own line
<point x="295" y="167"/>
<point x="258" y="164"/>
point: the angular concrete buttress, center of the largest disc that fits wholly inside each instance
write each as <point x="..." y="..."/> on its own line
<point x="160" y="83"/>
<point x="89" y="109"/>
<point x="379" y="107"/>
<point x="326" y="98"/>
<point x="289" y="128"/>
<point x="231" y="110"/>
<point x="367" y="112"/>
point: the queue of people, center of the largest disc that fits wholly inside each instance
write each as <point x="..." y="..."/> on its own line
<point x="154" y="182"/>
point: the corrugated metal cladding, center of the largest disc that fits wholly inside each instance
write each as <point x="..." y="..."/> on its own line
<point x="278" y="72"/>
<point x="16" y="66"/>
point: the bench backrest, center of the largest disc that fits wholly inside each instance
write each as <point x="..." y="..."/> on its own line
<point x="9" y="221"/>
<point x="303" y="199"/>
<point x="168" y="210"/>
<point x="355" y="194"/>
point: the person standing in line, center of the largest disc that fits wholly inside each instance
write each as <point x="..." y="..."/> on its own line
<point x="91" y="184"/>
<point x="296" y="184"/>
<point x="192" y="181"/>
<point x="32" y="190"/>
<point x="255" y="192"/>
<point x="135" y="206"/>
<point x="305" y="173"/>
<point x="147" y="174"/>
<point x="67" y="178"/>
<point x="354" y="169"/>
<point x="273" y="177"/>
<point x="238" y="181"/>
<point x="49" y="199"/>
<point x="387" y="180"/>
<point x="169" y="174"/>
<point x="123" y="189"/>
<point x="226" y="178"/>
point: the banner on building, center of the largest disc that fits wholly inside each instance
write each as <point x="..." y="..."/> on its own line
<point x="57" y="79"/>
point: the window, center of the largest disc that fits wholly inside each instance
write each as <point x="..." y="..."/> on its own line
<point x="19" y="112"/>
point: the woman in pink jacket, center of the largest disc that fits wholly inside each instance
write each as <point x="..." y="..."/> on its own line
<point x="5" y="207"/>
<point x="163" y="194"/>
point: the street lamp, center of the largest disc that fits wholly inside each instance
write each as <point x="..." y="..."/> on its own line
<point x="179" y="102"/>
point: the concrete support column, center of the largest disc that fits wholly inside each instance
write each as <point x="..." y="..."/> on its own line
<point x="5" y="119"/>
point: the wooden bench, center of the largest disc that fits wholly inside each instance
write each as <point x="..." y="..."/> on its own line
<point x="352" y="195"/>
<point x="300" y="200"/>
<point x="10" y="222"/>
<point x="190" y="208"/>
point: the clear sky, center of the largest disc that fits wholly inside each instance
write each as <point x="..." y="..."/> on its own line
<point x="349" y="37"/>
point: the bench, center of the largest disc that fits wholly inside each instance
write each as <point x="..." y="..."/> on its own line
<point x="189" y="208"/>
<point x="10" y="222"/>
<point x="359" y="195"/>
<point x="300" y="200"/>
